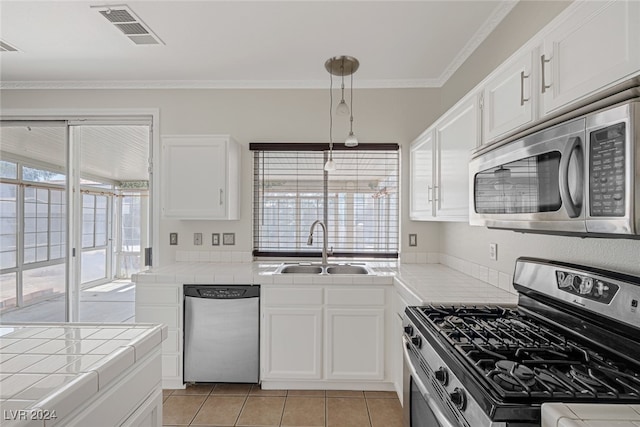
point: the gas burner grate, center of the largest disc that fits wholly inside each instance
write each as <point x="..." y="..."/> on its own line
<point x="518" y="357"/>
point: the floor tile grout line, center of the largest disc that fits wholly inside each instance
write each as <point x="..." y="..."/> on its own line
<point x="235" y="423"/>
<point x="366" y="402"/>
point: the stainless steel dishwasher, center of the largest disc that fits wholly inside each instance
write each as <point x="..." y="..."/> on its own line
<point x="221" y="333"/>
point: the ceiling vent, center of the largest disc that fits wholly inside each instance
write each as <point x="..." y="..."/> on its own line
<point x="123" y="18"/>
<point x="6" y="47"/>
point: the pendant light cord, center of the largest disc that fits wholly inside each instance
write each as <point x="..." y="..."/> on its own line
<point x="351" y="107"/>
<point x="330" y="116"/>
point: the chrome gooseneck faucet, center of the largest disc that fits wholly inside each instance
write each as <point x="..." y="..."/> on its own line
<point x="324" y="242"/>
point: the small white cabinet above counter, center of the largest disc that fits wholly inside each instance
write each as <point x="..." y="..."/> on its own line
<point x="439" y="164"/>
<point x="200" y="177"/>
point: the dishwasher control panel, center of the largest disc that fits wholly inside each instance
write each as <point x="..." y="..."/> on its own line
<point x="220" y="293"/>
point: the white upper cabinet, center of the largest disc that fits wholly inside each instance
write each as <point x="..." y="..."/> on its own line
<point x="594" y="46"/>
<point x="439" y="165"/>
<point x="200" y="177"/>
<point x="421" y="179"/>
<point x="457" y="133"/>
<point x="508" y="98"/>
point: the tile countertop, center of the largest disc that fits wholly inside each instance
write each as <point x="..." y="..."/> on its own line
<point x="426" y="283"/>
<point x="589" y="415"/>
<point x="62" y="365"/>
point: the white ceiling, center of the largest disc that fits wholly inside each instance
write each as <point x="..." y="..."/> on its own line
<point x="252" y="44"/>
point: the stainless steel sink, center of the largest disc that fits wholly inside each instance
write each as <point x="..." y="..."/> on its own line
<point x="347" y="269"/>
<point x="299" y="269"/>
<point x="331" y="269"/>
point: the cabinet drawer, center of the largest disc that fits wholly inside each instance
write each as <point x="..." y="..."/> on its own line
<point x="152" y="295"/>
<point x="355" y="296"/>
<point x="288" y="295"/>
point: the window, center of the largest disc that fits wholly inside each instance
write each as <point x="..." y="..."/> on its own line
<point x="94" y="220"/>
<point x="8" y="225"/>
<point x="358" y="202"/>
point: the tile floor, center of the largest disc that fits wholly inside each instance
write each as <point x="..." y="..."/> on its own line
<point x="248" y="405"/>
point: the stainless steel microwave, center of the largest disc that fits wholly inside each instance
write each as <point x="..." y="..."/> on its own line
<point x="578" y="177"/>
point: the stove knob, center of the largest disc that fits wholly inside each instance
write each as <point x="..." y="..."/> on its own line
<point x="442" y="376"/>
<point x="459" y="398"/>
<point x="408" y="330"/>
<point x="417" y="341"/>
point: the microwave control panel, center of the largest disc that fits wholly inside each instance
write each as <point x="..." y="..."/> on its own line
<point x="607" y="171"/>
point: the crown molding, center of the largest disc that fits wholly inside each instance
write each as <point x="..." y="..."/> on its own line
<point x="214" y="84"/>
<point x="483" y="32"/>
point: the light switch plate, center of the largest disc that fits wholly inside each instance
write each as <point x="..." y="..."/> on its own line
<point x="493" y="251"/>
<point x="413" y="240"/>
<point x="228" y="238"/>
<point x="215" y="239"/>
<point x="173" y="239"/>
<point x="197" y="239"/>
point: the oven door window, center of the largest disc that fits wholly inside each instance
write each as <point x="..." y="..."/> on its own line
<point x="528" y="185"/>
<point x="421" y="414"/>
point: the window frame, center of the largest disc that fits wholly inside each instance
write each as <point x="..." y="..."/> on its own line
<point x="324" y="147"/>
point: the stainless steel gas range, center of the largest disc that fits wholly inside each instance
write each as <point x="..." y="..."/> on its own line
<point x="573" y="337"/>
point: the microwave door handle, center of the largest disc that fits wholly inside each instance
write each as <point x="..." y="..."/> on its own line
<point x="573" y="209"/>
<point x="443" y="421"/>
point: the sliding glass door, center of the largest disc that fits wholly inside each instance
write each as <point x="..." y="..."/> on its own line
<point x="73" y="217"/>
<point x="33" y="220"/>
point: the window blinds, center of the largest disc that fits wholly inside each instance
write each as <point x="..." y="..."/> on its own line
<point x="358" y="202"/>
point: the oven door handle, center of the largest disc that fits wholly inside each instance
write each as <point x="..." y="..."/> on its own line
<point x="435" y="408"/>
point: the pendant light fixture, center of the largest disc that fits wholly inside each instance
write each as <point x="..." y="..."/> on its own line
<point x="340" y="66"/>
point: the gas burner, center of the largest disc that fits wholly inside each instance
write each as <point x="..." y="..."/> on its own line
<point x="585" y="378"/>
<point x="513" y="376"/>
<point x="454" y="320"/>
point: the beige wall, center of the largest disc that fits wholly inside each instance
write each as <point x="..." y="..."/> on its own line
<point x="385" y="115"/>
<point x="472" y="243"/>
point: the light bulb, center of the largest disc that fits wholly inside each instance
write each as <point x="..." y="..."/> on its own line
<point x="351" y="140"/>
<point x="330" y="166"/>
<point x="342" y="109"/>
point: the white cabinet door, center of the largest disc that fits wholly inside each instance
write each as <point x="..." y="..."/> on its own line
<point x="596" y="45"/>
<point x="456" y="135"/>
<point x="508" y="98"/>
<point x="355" y="343"/>
<point x="200" y="177"/>
<point x="421" y="177"/>
<point x="293" y="343"/>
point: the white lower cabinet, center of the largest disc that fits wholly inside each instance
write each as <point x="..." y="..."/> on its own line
<point x="355" y="343"/>
<point x="294" y="342"/>
<point x="324" y="337"/>
<point x="162" y="303"/>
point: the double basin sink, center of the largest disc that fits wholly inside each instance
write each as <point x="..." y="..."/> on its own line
<point x="330" y="269"/>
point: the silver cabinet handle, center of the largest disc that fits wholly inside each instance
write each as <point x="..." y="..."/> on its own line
<point x="522" y="98"/>
<point x="221" y="196"/>
<point x="543" y="61"/>
<point x="436" y="193"/>
<point x="429" y="194"/>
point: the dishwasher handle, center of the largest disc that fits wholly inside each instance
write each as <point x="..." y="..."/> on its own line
<point x="226" y="292"/>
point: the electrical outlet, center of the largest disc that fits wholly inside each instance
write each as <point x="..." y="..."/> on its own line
<point x="197" y="239"/>
<point x="173" y="238"/>
<point x="493" y="251"/>
<point x="413" y="240"/>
